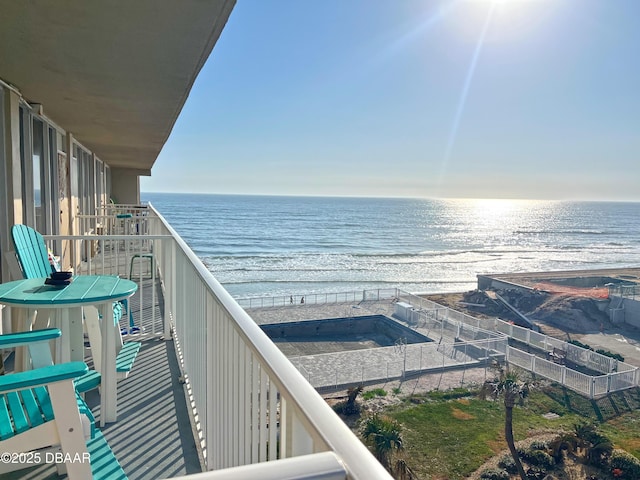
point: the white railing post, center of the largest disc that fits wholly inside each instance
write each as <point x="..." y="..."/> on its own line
<point x="171" y="276"/>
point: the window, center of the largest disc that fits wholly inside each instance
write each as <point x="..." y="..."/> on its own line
<point x="52" y="202"/>
<point x="26" y="167"/>
<point x="38" y="157"/>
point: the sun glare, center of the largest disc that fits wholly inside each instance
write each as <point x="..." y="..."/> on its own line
<point x="499" y="1"/>
<point x="502" y="2"/>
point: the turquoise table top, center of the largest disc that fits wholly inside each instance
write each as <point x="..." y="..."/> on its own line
<point x="83" y="290"/>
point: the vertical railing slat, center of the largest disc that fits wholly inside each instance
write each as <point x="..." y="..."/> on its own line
<point x="273" y="421"/>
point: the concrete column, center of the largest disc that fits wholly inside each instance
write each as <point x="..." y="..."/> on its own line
<point x="125" y="185"/>
<point x="74" y="185"/>
<point x="10" y="173"/>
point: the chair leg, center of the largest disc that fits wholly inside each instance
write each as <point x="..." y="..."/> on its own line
<point x="70" y="429"/>
<point x="132" y="324"/>
<point x="141" y="258"/>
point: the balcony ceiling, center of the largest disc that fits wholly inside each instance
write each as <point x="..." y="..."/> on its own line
<point x="113" y="73"/>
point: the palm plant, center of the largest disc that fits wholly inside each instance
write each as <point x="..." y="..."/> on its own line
<point x="384" y="436"/>
<point x="564" y="441"/>
<point x="511" y="389"/>
<point x="593" y="445"/>
<point x="351" y="406"/>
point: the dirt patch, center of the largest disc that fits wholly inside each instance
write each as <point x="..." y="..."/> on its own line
<point x="460" y="415"/>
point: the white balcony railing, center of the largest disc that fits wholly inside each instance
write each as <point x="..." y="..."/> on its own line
<point x="250" y="404"/>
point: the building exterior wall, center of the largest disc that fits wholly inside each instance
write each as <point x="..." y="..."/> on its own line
<point x="11" y="190"/>
<point x="630" y="310"/>
<point x="12" y="158"/>
<point x="71" y="180"/>
<point x="125" y="186"/>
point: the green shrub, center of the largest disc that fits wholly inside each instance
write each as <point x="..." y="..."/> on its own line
<point x="454" y="393"/>
<point x="538" y="458"/>
<point x="494" y="474"/>
<point x="376" y="392"/>
<point x="539" y="445"/>
<point x="397" y="391"/>
<point x="346" y="409"/>
<point x="607" y="353"/>
<point x="627" y="463"/>
<point x="536" y="473"/>
<point x="507" y="463"/>
<point x="580" y="344"/>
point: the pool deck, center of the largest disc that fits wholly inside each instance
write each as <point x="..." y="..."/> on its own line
<point x="337" y="365"/>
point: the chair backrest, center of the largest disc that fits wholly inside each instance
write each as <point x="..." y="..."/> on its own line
<point x="31" y="251"/>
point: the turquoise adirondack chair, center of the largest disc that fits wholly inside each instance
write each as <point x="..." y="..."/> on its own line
<point x="42" y="417"/>
<point x="31" y="250"/>
<point x="33" y="258"/>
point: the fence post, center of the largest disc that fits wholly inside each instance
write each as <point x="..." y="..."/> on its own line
<point x="563" y="375"/>
<point x="533" y="363"/>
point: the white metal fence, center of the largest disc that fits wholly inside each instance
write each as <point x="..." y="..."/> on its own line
<point x="435" y="320"/>
<point x="616" y="375"/>
<point x="625" y="291"/>
<point x="336" y="370"/>
<point x="318" y="298"/>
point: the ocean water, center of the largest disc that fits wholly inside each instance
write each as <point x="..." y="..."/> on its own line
<point x="272" y="246"/>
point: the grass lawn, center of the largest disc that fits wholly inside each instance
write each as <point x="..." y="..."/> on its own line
<point x="449" y="438"/>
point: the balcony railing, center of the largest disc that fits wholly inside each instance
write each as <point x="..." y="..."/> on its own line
<point x="250" y="404"/>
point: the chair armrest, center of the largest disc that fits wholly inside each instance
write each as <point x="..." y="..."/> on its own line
<point x="42" y="376"/>
<point x="24" y="338"/>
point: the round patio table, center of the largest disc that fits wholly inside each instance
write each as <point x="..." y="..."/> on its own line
<point x="65" y="304"/>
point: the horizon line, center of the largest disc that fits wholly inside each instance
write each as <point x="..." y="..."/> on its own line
<point x="397" y="197"/>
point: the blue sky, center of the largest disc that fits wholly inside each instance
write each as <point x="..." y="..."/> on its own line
<point x="417" y="98"/>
